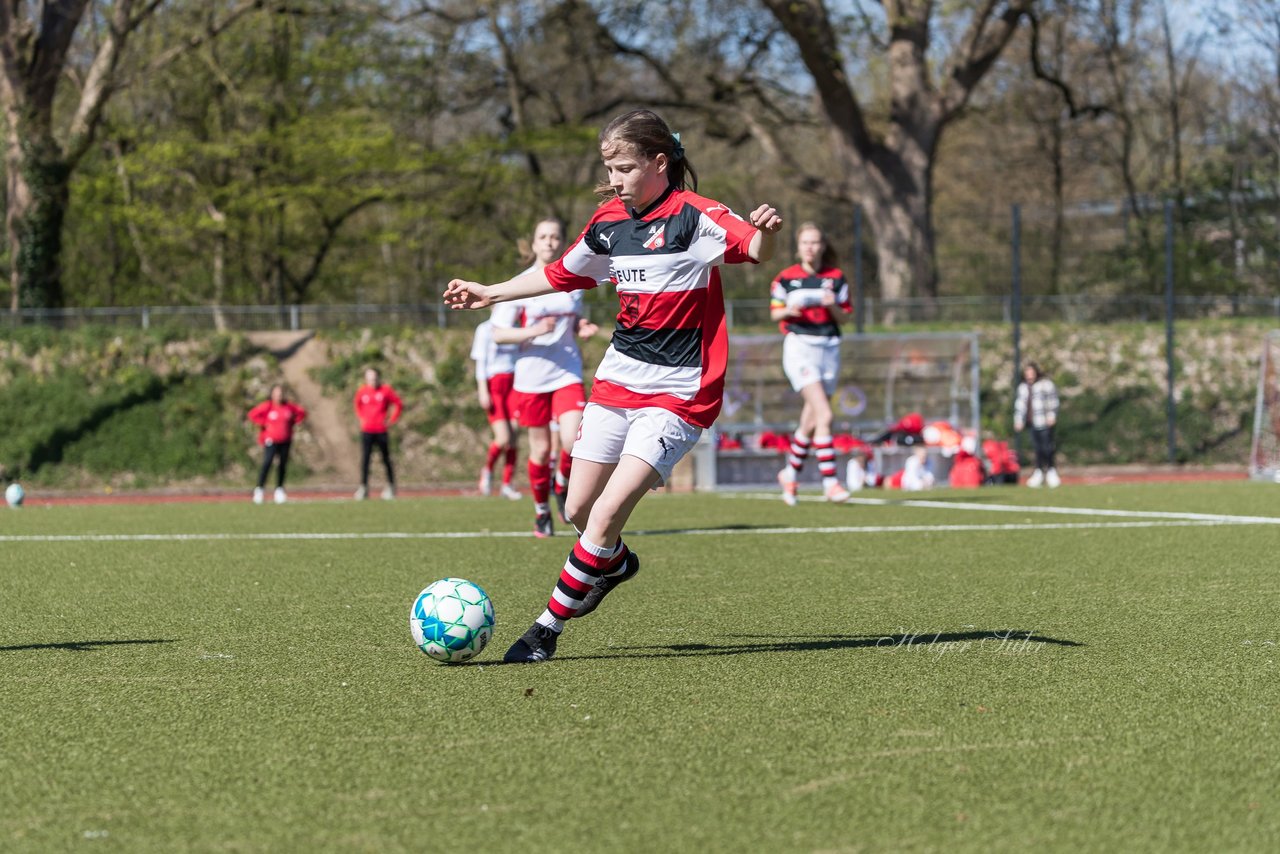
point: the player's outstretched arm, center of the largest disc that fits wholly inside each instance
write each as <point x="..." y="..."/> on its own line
<point x="768" y="223"/>
<point x="461" y="294"/>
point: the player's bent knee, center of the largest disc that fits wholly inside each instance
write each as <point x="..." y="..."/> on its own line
<point x="577" y="512"/>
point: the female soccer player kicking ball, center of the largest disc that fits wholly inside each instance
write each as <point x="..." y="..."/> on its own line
<point x="661" y="381"/>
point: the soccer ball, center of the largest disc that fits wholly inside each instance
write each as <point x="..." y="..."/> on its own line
<point x="14" y="495"/>
<point x="451" y="620"/>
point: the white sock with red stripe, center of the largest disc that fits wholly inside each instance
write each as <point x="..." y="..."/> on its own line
<point x="799" y="451"/>
<point x="586" y="563"/>
<point x="824" y="450"/>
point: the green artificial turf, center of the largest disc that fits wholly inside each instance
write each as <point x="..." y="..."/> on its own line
<point x="1006" y="688"/>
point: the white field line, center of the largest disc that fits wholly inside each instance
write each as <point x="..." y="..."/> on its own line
<point x="484" y="535"/>
<point x="1138" y="519"/>
<point x="1017" y="508"/>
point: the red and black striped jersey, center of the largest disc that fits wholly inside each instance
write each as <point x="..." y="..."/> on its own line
<point x="670" y="345"/>
<point x="796" y="287"/>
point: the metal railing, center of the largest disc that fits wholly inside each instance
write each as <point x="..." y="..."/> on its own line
<point x="740" y="313"/>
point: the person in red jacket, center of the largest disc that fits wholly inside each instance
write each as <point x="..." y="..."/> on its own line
<point x="378" y="407"/>
<point x="276" y="419"/>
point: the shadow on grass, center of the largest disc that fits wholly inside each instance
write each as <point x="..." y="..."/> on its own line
<point x="656" y="532"/>
<point x="1006" y="639"/>
<point x="81" y="646"/>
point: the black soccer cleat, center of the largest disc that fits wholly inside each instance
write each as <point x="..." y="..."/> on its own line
<point x="606" y="583"/>
<point x="560" y="496"/>
<point x="542" y="526"/>
<point x="537" y="644"/>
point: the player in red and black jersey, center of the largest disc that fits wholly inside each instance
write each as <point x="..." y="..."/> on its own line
<point x="803" y="299"/>
<point x="276" y="417"/>
<point x="662" y="379"/>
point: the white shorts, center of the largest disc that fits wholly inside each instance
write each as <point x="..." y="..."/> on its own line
<point x="807" y="359"/>
<point x="654" y="435"/>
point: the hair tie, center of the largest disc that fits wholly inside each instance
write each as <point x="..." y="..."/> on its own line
<point x="677" y="153"/>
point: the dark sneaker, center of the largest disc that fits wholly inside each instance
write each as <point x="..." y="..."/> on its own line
<point x="560" y="496"/>
<point x="596" y="595"/>
<point x="537" y="644"/>
<point x="542" y="526"/>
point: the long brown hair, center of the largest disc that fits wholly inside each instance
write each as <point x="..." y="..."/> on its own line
<point x="645" y="132"/>
<point x="829" y="258"/>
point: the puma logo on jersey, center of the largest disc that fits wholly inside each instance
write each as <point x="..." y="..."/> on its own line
<point x="607" y="239"/>
<point x="657" y="237"/>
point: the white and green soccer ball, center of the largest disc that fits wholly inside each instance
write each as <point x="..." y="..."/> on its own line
<point x="451" y="620"/>
<point x="14" y="495"/>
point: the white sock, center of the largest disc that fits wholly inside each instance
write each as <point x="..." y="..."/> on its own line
<point x="828" y="482"/>
<point x="599" y="551"/>
<point x="542" y="508"/>
<point x="551" y="621"/>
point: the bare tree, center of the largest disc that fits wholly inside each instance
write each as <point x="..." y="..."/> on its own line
<point x="889" y="166"/>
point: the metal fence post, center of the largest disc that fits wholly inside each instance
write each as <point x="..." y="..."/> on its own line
<point x="859" y="283"/>
<point x="1015" y="311"/>
<point x="1168" y="326"/>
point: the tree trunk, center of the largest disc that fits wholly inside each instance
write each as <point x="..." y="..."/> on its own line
<point x="219" y="267"/>
<point x="39" y="194"/>
<point x="902" y="231"/>
<point x="898" y="198"/>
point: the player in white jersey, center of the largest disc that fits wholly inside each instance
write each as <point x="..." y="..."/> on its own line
<point x="548" y="374"/>
<point x="662" y="379"/>
<point x="495" y="376"/>
<point x="803" y="299"/>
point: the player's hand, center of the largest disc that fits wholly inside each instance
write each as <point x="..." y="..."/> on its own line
<point x="766" y="218"/>
<point x="828" y="298"/>
<point x="484" y="399"/>
<point x="586" y="328"/>
<point x="543" y="326"/>
<point x="462" y="294"/>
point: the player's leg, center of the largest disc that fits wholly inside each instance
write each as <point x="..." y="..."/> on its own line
<point x="366" y="451"/>
<point x="817" y="397"/>
<point x="569" y="422"/>
<point x="539" y="473"/>
<point x="646" y="444"/>
<point x="282" y="469"/>
<point x="509" y="462"/>
<point x="567" y="404"/>
<point x="1037" y="442"/>
<point x="591" y="560"/>
<point x="268" y="454"/>
<point x="604" y="432"/>
<point x="797" y="364"/>
<point x="658" y="439"/>
<point x="383" y="443"/>
<point x="497" y="447"/>
<point x="1051" y="478"/>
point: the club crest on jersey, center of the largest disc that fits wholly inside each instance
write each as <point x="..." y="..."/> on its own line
<point x="657" y="237"/>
